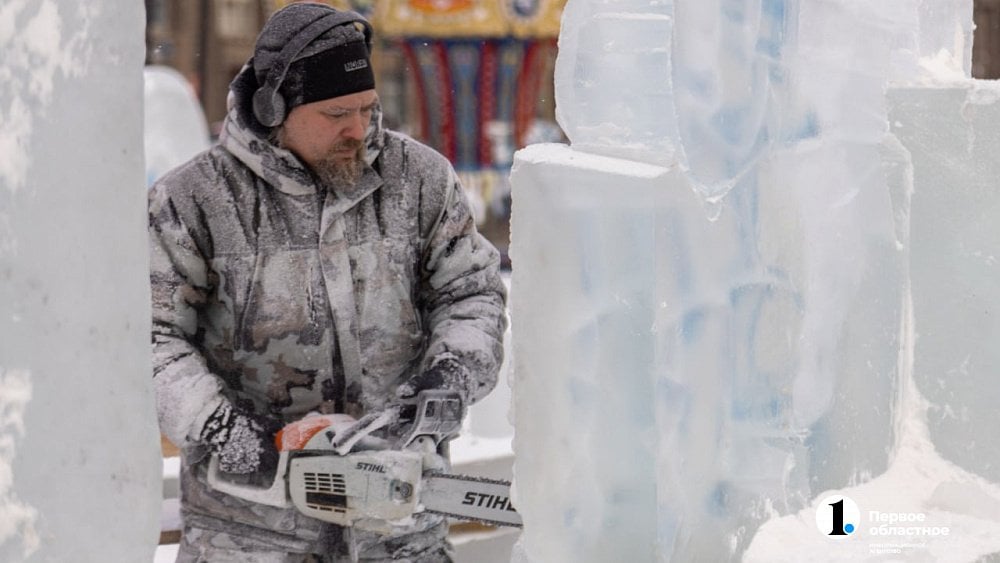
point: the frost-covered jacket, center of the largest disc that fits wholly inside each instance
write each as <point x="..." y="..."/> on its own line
<point x="287" y="297"/>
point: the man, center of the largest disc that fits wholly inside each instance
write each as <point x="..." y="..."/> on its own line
<point x="310" y="262"/>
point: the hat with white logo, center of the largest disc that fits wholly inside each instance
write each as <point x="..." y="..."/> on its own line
<point x="309" y="52"/>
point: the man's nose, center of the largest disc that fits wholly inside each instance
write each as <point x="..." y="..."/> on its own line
<point x="357" y="126"/>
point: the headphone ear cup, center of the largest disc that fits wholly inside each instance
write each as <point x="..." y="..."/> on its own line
<point x="268" y="107"/>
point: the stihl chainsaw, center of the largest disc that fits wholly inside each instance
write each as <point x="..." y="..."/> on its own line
<point x="332" y="468"/>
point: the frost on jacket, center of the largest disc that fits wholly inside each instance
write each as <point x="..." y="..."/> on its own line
<point x="289" y="298"/>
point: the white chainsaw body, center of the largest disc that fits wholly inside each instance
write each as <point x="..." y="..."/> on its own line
<point x="370" y="489"/>
<point x="367" y="490"/>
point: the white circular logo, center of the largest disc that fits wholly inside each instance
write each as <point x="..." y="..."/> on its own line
<point x="838" y="517"/>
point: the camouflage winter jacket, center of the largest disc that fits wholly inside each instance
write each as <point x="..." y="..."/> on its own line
<point x="289" y="298"/>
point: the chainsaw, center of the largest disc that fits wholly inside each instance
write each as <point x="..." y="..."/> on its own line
<point x="331" y="467"/>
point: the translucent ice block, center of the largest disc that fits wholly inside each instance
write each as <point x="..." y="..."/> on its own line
<point x="612" y="78"/>
<point x="945" y="459"/>
<point x="680" y="378"/>
<point x="952" y="138"/>
<point x="584" y="355"/>
<point x="743" y="311"/>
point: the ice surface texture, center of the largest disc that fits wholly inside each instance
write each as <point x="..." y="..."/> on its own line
<point x="952" y="139"/>
<point x="711" y="84"/>
<point x="612" y="78"/>
<point x="944" y="464"/>
<point x="658" y="356"/>
<point x="79" y="451"/>
<point x="708" y="318"/>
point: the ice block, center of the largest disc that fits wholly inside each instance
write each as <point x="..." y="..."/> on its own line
<point x="943" y="467"/>
<point x="950" y="133"/>
<point x="80" y="463"/>
<point x="679" y="376"/>
<point x="708" y="329"/>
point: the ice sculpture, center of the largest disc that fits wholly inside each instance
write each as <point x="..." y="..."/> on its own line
<point x="79" y="451"/>
<point x="616" y="43"/>
<point x="174" y="126"/>
<point x="712" y="311"/>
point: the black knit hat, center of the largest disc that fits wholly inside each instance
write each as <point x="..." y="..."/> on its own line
<point x="309" y="52"/>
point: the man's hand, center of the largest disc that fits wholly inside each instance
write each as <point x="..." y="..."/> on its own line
<point x="243" y="441"/>
<point x="446" y="374"/>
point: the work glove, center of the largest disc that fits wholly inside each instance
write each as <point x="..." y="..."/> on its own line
<point x="243" y="441"/>
<point x="446" y="374"/>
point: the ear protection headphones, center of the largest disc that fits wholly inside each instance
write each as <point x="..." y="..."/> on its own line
<point x="268" y="103"/>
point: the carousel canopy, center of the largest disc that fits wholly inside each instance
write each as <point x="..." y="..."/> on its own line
<point x="457" y="18"/>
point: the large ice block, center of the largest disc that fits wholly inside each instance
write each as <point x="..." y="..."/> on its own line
<point x="680" y="374"/>
<point x="944" y="465"/>
<point x="748" y="309"/>
<point x="951" y="136"/>
<point x="744" y="302"/>
<point x="584" y="308"/>
<point x="79" y="448"/>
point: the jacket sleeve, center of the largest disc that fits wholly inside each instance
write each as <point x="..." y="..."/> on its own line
<point x="463" y="297"/>
<point x="186" y="391"/>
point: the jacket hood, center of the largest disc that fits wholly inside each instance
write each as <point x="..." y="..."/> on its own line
<point x="248" y="140"/>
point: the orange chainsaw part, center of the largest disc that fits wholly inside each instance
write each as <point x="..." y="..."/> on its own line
<point x="296" y="435"/>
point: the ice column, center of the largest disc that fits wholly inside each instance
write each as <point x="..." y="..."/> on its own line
<point x="708" y="288"/>
<point x="79" y="450"/>
<point x="950" y="135"/>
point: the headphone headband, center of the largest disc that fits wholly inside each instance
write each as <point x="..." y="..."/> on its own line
<point x="268" y="104"/>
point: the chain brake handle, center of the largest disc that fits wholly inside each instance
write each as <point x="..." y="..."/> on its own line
<point x="434" y="415"/>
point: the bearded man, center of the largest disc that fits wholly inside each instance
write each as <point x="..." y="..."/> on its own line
<point x="311" y="261"/>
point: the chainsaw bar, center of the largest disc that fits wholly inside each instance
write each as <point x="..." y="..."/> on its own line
<point x="469" y="498"/>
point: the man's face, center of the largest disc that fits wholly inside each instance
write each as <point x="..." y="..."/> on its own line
<point x="329" y="135"/>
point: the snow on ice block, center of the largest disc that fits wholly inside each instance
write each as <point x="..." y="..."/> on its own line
<point x="684" y="370"/>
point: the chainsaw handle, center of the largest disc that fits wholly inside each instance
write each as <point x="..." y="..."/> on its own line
<point x="437" y="415"/>
<point x="275" y="495"/>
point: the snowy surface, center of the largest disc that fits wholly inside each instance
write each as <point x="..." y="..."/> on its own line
<point x="166" y="554"/>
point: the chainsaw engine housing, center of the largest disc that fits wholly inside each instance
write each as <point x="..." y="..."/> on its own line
<point x="367" y="490"/>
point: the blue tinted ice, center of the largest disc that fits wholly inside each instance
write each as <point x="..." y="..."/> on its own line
<point x="715" y="291"/>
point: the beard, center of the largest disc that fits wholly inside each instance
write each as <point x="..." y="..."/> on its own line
<point x="333" y="170"/>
